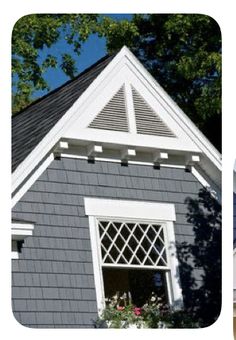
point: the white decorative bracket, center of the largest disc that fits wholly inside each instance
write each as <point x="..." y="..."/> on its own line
<point x="63" y="145"/>
<point x="60" y="147"/>
<point x="93" y="150"/>
<point x="158" y="158"/>
<point x="191" y="160"/>
<point x="126" y="154"/>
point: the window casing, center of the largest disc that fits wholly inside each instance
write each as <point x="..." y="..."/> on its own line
<point x="133" y="236"/>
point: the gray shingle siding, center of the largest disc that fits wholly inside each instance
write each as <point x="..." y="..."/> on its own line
<point x="53" y="282"/>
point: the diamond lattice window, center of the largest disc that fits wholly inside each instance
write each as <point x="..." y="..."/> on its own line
<point x="132" y="244"/>
<point x="134" y="254"/>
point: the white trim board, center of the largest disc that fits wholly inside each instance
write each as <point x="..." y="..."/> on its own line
<point x="32" y="179"/>
<point x="136" y="211"/>
<point x="152" y="90"/>
<point x="22" y="228"/>
<point x="130" y="209"/>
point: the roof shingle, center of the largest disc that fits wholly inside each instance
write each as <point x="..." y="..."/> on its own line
<point x="32" y="124"/>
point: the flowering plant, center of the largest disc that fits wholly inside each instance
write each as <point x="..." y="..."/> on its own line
<point x="122" y="317"/>
<point x="120" y="313"/>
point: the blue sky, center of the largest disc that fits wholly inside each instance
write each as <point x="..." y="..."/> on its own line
<point x="92" y="50"/>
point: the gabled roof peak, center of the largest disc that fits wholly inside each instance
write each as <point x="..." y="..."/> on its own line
<point x="78" y="110"/>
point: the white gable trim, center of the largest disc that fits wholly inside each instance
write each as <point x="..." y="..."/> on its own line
<point x="31" y="179"/>
<point x="124" y="57"/>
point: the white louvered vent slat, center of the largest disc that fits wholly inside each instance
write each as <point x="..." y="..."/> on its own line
<point x="113" y="116"/>
<point x="147" y="121"/>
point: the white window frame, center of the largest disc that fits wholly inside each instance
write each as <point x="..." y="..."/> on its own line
<point x="19" y="231"/>
<point x="138" y="211"/>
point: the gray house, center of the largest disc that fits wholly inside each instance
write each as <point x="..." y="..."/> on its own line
<point x="102" y="167"/>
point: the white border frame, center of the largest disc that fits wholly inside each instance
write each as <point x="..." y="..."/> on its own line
<point x="163" y="213"/>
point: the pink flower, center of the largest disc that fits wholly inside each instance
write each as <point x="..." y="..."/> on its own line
<point x="137" y="311"/>
<point x="120" y="308"/>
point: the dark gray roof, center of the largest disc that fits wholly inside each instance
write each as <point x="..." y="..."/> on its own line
<point x="31" y="125"/>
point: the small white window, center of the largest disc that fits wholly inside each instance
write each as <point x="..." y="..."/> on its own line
<point x="133" y="250"/>
<point x="19" y="231"/>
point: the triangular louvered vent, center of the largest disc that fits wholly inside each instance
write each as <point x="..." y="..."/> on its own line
<point x="113" y="116"/>
<point x="147" y="121"/>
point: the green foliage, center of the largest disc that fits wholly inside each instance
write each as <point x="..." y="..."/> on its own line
<point x="117" y="33"/>
<point x="183" y="52"/>
<point x="39" y="32"/>
<point x="68" y="65"/>
<point x="167" y="318"/>
<point x="150" y="316"/>
<point x="115" y="318"/>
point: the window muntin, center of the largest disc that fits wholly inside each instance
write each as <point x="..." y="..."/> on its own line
<point x="132" y="243"/>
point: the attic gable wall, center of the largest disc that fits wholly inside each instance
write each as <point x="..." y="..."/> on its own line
<point x="53" y="283"/>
